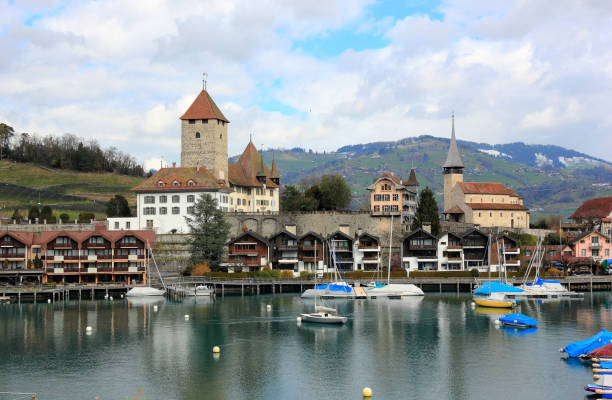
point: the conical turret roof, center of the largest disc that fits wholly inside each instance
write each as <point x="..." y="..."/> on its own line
<point x="453" y="160"/>
<point x="275" y="174"/>
<point x="412" y="180"/>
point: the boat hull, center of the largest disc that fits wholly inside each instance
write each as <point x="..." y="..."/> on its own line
<point x="394" y="290"/>
<point x="493" y="303"/>
<point x="145" y="291"/>
<point x="320" y="318"/>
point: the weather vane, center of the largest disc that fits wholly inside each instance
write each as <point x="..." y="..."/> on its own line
<point x="204" y="80"/>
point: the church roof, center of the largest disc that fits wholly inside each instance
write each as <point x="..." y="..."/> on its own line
<point x="453" y="159"/>
<point x="454" y="210"/>
<point x="497" y="206"/>
<point x="203" y="107"/>
<point x="248" y="167"/>
<point x="594" y="208"/>
<point x="412" y="180"/>
<point x="202" y="180"/>
<point x="486" y="188"/>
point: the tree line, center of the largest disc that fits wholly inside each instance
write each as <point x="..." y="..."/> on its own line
<point x="327" y="192"/>
<point x="65" y="152"/>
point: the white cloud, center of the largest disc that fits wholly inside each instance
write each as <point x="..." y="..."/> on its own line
<point x="123" y="72"/>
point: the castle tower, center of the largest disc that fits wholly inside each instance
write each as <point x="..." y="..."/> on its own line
<point x="204" y="136"/>
<point x="453" y="169"/>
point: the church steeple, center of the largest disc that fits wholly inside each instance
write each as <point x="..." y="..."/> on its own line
<point x="453" y="159"/>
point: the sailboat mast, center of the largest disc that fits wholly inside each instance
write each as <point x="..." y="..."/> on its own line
<point x="390" y="242"/>
<point x="315" y="259"/>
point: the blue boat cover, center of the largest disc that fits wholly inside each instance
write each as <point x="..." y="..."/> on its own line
<point x="518" y="319"/>
<point x="334" y="288"/>
<point x="492" y="287"/>
<point x="540" y="281"/>
<point x="586" y="346"/>
<point x="606" y="365"/>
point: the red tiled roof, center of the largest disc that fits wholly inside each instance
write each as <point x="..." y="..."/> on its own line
<point x="594" y="208"/>
<point x="203" y="107"/>
<point x="497" y="206"/>
<point x="486" y="188"/>
<point x="202" y="180"/>
<point x="27" y="238"/>
<point x="245" y="171"/>
<point x="81" y="236"/>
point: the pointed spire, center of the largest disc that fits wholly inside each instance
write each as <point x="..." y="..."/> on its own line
<point x="453" y="160"/>
<point x="262" y="170"/>
<point x="412" y="180"/>
<point x="274" y="171"/>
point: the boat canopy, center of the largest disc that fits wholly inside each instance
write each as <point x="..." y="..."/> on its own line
<point x="583" y="347"/>
<point x="604" y="351"/>
<point x="334" y="287"/>
<point x="492" y="287"/>
<point x="518" y="319"/>
<point x="541" y="281"/>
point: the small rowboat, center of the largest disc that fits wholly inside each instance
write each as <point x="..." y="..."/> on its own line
<point x="497" y="300"/>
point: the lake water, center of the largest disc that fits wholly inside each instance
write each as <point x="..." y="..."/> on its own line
<point x="436" y="347"/>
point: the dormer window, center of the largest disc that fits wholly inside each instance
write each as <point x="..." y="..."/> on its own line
<point x="191" y="183"/>
<point x="161" y="184"/>
<point x="176" y="184"/>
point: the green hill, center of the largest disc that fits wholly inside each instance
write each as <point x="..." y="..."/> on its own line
<point x="550" y="179"/>
<point x="24" y="185"/>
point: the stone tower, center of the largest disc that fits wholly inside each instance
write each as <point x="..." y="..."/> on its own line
<point x="453" y="169"/>
<point x="204" y="136"/>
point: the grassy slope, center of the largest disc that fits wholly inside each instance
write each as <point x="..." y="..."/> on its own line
<point x="86" y="191"/>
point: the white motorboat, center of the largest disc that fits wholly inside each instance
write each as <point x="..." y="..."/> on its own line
<point x="324" y="315"/>
<point x="200" y="290"/>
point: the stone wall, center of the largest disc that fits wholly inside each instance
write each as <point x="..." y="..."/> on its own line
<point x="47" y="227"/>
<point x="210" y="149"/>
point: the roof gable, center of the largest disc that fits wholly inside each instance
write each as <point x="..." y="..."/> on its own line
<point x="313" y="234"/>
<point x="283" y="232"/>
<point x="248" y="167"/>
<point x="251" y="234"/>
<point x="594" y="208"/>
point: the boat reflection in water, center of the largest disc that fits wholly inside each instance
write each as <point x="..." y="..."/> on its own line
<point x="146" y="301"/>
<point x="515" y="331"/>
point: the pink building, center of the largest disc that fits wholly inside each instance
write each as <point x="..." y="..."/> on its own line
<point x="593" y="245"/>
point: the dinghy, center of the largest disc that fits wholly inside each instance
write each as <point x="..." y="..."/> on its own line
<point x="518" y="320"/>
<point x="584" y="347"/>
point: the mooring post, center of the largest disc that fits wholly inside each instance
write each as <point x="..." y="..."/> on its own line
<point x="457" y="286"/>
<point x="281" y="288"/>
<point x="223" y="289"/>
<point x="92" y="293"/>
<point x="273" y="288"/>
<point x="258" y="289"/>
<point x="440" y="287"/>
<point x="242" y="289"/>
<point x="35" y="297"/>
<point x="591" y="285"/>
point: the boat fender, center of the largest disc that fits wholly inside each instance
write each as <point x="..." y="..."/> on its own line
<point x="595" y="377"/>
<point x="595" y="365"/>
<point x="216" y="349"/>
<point x="366" y="392"/>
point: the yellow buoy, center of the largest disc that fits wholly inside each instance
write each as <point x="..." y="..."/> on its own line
<point x="366" y="392"/>
<point x="216" y="349"/>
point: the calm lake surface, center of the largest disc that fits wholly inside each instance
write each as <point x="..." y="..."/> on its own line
<point x="436" y="347"/>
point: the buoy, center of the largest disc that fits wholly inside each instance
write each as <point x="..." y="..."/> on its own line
<point x="216" y="349"/>
<point x="111" y="297"/>
<point x="497" y="322"/>
<point x="269" y="307"/>
<point x="154" y="308"/>
<point x="186" y="316"/>
<point x="48" y="300"/>
<point x="473" y="304"/>
<point x="105" y="296"/>
<point x="121" y="296"/>
<point x="88" y="329"/>
<point x="299" y="319"/>
<point x="366" y="392"/>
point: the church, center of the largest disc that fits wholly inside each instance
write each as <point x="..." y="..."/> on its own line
<point x="164" y="199"/>
<point x="487" y="204"/>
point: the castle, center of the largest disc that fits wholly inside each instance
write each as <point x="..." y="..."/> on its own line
<point x="167" y="197"/>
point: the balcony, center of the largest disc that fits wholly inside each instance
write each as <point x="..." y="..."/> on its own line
<point x="427" y="258"/>
<point x="595" y="245"/>
<point x="512" y="250"/>
<point x="454" y="248"/>
<point x="454" y="259"/>
<point x="311" y="258"/>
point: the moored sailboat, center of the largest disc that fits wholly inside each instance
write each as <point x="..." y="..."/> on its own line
<point x="148" y="290"/>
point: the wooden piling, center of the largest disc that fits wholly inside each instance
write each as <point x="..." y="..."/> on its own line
<point x="591" y="285"/>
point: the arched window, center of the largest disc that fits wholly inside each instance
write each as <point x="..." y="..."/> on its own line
<point x="197" y="135"/>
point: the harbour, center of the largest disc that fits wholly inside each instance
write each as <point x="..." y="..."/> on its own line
<point x="436" y="346"/>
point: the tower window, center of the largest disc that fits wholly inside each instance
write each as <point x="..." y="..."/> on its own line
<point x="220" y="136"/>
<point x="204" y="121"/>
<point x="197" y="135"/>
<point x="192" y="121"/>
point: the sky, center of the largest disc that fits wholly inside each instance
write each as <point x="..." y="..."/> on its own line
<point x="317" y="74"/>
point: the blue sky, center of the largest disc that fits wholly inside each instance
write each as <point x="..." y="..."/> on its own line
<point x="316" y="74"/>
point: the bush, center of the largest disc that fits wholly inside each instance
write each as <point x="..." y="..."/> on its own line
<point x="86" y="217"/>
<point x="286" y="274"/>
<point x="65" y="218"/>
<point x="304" y="274"/>
<point x="200" y="269"/>
<point x="474" y="272"/>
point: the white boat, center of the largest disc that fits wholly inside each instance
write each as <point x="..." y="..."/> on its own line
<point x="374" y="289"/>
<point x="200" y="290"/>
<point x="324" y="315"/>
<point x="330" y="290"/>
<point x="148" y="290"/>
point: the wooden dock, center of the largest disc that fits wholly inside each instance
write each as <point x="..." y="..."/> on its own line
<point x="56" y="293"/>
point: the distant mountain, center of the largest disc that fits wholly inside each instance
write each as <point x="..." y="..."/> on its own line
<point x="551" y="179"/>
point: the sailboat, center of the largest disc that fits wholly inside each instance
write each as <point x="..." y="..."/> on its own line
<point x="322" y="315"/>
<point x="337" y="289"/>
<point x="392" y="289"/>
<point x="148" y="290"/>
<point x="496" y="299"/>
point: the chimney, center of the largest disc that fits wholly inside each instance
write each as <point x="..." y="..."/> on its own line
<point x="427" y="227"/>
<point x="290" y="228"/>
<point x="173" y="164"/>
<point x="344" y="229"/>
<point x="359" y="232"/>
